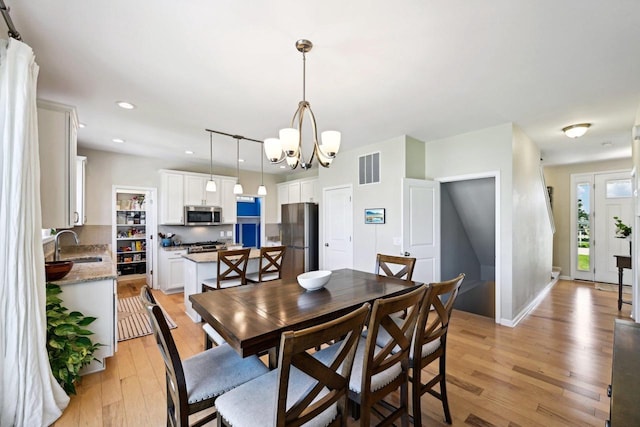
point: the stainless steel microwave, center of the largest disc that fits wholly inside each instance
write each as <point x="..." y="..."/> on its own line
<point x="202" y="215"/>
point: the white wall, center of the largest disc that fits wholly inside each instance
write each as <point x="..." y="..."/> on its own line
<point x="370" y="239"/>
<point x="532" y="235"/>
<point x="105" y="169"/>
<point x="476" y="153"/>
<point x="559" y="177"/>
<point x="635" y="153"/>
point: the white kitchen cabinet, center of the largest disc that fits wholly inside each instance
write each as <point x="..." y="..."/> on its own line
<point x="171" y="270"/>
<point x="57" y="134"/>
<point x="309" y="191"/>
<point x="80" y="211"/>
<point x="303" y="190"/>
<point x="229" y="201"/>
<point x="283" y="198"/>
<point x="195" y="192"/>
<point x="97" y="298"/>
<point x="171" y="198"/>
<point x="294" y="192"/>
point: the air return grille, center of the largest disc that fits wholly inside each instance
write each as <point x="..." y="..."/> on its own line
<point x="369" y="168"/>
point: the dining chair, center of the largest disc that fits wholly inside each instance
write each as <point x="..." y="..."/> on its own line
<point x="304" y="389"/>
<point x="395" y="266"/>
<point x="430" y="344"/>
<point x="231" y="270"/>
<point x="381" y="370"/>
<point x="194" y="384"/>
<point x="270" y="264"/>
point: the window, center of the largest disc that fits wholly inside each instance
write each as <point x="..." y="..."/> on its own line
<point x="618" y="188"/>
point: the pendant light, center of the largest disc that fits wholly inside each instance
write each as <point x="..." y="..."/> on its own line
<point x="289" y="144"/>
<point x="262" y="190"/>
<point x="211" y="184"/>
<point x="237" y="189"/>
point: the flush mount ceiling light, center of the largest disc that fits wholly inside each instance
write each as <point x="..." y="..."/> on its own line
<point x="577" y="130"/>
<point x="289" y="144"/>
<point x="211" y="184"/>
<point x="126" y="105"/>
<point x="118" y="140"/>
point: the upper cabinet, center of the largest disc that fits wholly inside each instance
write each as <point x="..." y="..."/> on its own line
<point x="171" y="198"/>
<point x="195" y="191"/>
<point x="179" y="189"/>
<point x="80" y="216"/>
<point x="301" y="190"/>
<point x="57" y="134"/>
<point x="228" y="199"/>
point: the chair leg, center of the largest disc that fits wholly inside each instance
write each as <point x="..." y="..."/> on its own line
<point x="207" y="341"/>
<point x="416" y="389"/>
<point x="443" y="390"/>
<point x="404" y="403"/>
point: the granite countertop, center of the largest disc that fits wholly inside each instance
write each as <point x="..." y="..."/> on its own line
<point x="213" y="256"/>
<point x="88" y="271"/>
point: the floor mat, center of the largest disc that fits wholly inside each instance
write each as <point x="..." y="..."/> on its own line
<point x="133" y="320"/>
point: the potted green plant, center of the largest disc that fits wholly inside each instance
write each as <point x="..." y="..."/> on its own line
<point x="622" y="230"/>
<point x="68" y="344"/>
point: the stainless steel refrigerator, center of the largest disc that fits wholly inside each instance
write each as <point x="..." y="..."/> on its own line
<point x="300" y="236"/>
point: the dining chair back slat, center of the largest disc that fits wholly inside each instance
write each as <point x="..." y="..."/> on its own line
<point x="430" y="344"/>
<point x="386" y="262"/>
<point x="271" y="258"/>
<point x="393" y="357"/>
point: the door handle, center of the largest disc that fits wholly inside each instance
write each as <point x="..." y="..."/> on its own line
<point x="76" y="217"/>
<point x="326" y="244"/>
<point x="406" y="254"/>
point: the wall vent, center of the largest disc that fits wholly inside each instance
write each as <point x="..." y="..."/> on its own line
<point x="369" y="168"/>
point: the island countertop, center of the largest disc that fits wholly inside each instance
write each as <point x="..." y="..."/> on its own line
<point x="213" y="256"/>
<point x="88" y="271"/>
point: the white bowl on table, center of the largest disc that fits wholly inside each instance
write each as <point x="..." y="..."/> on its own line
<point x="314" y="280"/>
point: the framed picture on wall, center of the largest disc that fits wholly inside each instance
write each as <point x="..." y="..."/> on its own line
<point x="374" y="216"/>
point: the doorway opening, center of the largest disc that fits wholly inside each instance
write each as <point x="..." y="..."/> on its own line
<point x="468" y="241"/>
<point x="249" y="223"/>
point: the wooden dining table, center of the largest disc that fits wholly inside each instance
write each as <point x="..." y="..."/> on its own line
<point x="251" y="318"/>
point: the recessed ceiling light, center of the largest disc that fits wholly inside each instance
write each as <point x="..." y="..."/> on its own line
<point x="607" y="144"/>
<point x="188" y="152"/>
<point x="282" y="167"/>
<point x="577" y="130"/>
<point x="126" y="105"/>
<point x="118" y="140"/>
<point x="82" y="125"/>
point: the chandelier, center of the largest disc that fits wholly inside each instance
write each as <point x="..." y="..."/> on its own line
<point x="289" y="144"/>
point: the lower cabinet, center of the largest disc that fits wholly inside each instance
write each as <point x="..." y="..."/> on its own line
<point x="171" y="270"/>
<point x="97" y="298"/>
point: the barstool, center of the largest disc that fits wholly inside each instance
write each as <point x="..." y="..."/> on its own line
<point x="270" y="265"/>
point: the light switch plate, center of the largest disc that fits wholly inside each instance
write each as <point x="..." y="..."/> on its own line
<point x="229" y="233"/>
<point x="222" y="234"/>
<point x="397" y="241"/>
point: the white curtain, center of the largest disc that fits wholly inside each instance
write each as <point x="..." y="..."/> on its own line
<point x="29" y="395"/>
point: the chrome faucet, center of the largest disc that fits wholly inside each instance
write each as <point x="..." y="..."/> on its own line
<point x="56" y="251"/>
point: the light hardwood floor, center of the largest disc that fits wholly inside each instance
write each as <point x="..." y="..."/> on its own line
<point x="551" y="370"/>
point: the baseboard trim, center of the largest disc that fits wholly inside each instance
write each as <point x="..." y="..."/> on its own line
<point x="533" y="304"/>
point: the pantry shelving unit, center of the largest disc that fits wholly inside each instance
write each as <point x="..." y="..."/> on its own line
<point x="130" y="236"/>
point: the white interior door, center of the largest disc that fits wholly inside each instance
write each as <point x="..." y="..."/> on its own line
<point x="421" y="227"/>
<point x="613" y="197"/>
<point x="338" y="228"/>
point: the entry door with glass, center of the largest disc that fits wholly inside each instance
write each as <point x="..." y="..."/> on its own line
<point x="596" y="200"/>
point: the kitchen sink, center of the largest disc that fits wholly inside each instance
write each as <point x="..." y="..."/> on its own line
<point x="85" y="259"/>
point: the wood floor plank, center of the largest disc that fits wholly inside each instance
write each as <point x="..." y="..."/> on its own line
<point x="552" y="369"/>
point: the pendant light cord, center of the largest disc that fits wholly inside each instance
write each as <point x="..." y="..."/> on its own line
<point x="211" y="156"/>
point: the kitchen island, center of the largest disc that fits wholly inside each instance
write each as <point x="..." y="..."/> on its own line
<point x="204" y="265"/>
<point x="90" y="288"/>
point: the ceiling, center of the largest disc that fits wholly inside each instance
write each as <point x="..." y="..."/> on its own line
<point x="378" y="69"/>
